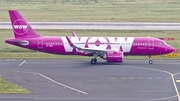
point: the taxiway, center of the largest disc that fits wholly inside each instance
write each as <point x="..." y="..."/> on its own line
<point x="78" y="80"/>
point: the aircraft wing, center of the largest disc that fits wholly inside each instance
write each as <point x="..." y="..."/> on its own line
<point x="94" y="50"/>
<point x="89" y="50"/>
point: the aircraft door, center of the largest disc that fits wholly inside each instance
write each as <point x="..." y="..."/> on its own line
<point x="151" y="44"/>
<point x="40" y="43"/>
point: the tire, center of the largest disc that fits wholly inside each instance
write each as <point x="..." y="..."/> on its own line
<point x="150" y="61"/>
<point x="93" y="61"/>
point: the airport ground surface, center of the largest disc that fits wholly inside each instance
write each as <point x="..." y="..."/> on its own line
<point x="99" y="25"/>
<point x="54" y="80"/>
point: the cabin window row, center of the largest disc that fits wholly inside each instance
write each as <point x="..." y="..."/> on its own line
<point x="60" y="43"/>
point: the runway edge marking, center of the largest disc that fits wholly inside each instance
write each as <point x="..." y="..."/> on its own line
<point x="71" y="88"/>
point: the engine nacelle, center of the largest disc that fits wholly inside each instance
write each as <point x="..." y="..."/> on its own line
<point x="113" y="56"/>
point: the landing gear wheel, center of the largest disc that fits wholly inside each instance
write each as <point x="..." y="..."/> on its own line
<point x="93" y="61"/>
<point x="150" y="61"/>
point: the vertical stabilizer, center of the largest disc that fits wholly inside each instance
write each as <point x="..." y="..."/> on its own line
<point x="20" y="27"/>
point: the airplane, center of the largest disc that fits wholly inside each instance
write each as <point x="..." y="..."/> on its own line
<point x="112" y="49"/>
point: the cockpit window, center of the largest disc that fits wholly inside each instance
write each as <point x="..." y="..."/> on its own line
<point x="162" y="43"/>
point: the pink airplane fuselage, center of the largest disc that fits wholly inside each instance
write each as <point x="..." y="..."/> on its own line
<point x="128" y="45"/>
<point x="111" y="49"/>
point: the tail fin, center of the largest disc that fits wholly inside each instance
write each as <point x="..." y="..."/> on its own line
<point x="20" y="27"/>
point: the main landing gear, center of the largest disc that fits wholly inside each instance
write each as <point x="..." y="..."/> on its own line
<point x="94" y="60"/>
<point x="150" y="60"/>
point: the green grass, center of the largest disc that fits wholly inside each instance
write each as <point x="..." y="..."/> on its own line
<point x="9" y="88"/>
<point x="9" y="51"/>
<point x="94" y="10"/>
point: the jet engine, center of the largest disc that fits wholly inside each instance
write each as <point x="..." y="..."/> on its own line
<point x="113" y="56"/>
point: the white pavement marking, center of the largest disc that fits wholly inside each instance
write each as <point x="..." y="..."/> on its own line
<point x="177" y="80"/>
<point x="22" y="63"/>
<point x="113" y="78"/>
<point x="10" y="59"/>
<point x="18" y="97"/>
<point x="61" y="84"/>
<point x="158" y="78"/>
<point x="165" y="98"/>
<point x="176" y="73"/>
<point x="122" y="78"/>
<point x="172" y="63"/>
<point x="140" y="78"/>
<point x="131" y="78"/>
<point x="172" y="77"/>
<point x="89" y="99"/>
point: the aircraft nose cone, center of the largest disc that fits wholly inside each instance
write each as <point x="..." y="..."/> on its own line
<point x="170" y="49"/>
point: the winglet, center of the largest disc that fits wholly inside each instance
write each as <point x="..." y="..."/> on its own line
<point x="74" y="34"/>
<point x="70" y="43"/>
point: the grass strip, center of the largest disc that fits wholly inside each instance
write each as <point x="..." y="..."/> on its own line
<point x="94" y="10"/>
<point x="9" y="88"/>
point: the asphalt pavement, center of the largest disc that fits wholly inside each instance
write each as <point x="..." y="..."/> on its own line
<point x="100" y="25"/>
<point x="78" y="80"/>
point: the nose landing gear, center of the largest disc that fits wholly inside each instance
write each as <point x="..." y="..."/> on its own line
<point x="150" y="60"/>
